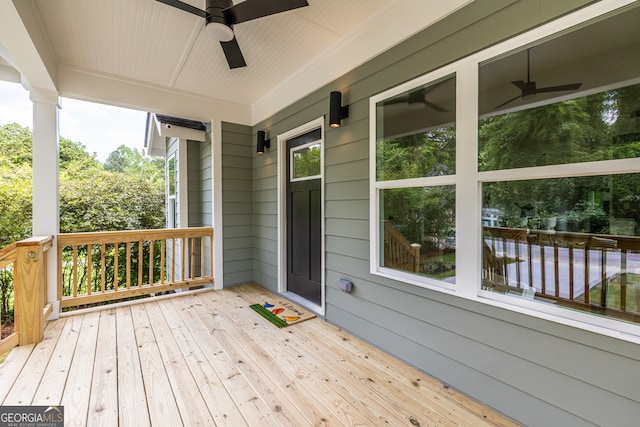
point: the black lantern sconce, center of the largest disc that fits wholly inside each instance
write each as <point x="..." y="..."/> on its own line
<point x="336" y="111"/>
<point x="262" y="143"/>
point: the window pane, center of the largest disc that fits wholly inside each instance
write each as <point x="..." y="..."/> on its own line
<point x="418" y="225"/>
<point x="574" y="242"/>
<point x="171" y="172"/>
<point x="306" y="162"/>
<point x="416" y="134"/>
<point x="568" y="100"/>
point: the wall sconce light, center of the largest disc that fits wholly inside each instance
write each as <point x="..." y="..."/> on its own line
<point x="336" y="111"/>
<point x="262" y="143"/>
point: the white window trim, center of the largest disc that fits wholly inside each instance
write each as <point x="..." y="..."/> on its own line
<point x="469" y="183"/>
<point x="376" y="186"/>
<point x="303" y="147"/>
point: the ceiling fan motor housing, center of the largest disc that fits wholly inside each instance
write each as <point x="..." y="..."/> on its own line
<point x="216" y="26"/>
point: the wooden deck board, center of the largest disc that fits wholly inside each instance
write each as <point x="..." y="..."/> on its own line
<point x="78" y="387"/>
<point x="208" y="359"/>
<point x="25" y="386"/>
<point x="161" y="402"/>
<point x="132" y="399"/>
<point x="50" y="390"/>
<point x="103" y="401"/>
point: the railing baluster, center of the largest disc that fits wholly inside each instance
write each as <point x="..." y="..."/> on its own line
<point x="140" y="263"/>
<point x="192" y="273"/>
<point x="571" y="272"/>
<point x="128" y="263"/>
<point x="103" y="267"/>
<point x="623" y="280"/>
<point x="173" y="260"/>
<point x="89" y="261"/>
<point x="543" y="277"/>
<point x="202" y="258"/>
<point x="75" y="270"/>
<point x="115" y="266"/>
<point x="556" y="268"/>
<point x="587" y="297"/>
<point x="152" y="244"/>
<point x="183" y="259"/>
<point x="163" y="247"/>
<point x="211" y="255"/>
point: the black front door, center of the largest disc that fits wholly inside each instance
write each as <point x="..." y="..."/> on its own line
<point x="304" y="216"/>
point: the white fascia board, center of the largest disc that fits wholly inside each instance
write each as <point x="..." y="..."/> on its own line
<point x="391" y="25"/>
<point x="86" y="85"/>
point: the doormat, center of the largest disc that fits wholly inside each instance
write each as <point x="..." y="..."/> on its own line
<point x="282" y="312"/>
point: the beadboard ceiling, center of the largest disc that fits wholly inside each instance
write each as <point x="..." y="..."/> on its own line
<point x="144" y="43"/>
<point x="144" y="40"/>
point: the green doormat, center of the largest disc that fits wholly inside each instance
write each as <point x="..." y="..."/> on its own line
<point x="282" y="312"/>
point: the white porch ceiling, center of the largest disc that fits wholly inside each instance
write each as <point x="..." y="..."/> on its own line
<point x="142" y="53"/>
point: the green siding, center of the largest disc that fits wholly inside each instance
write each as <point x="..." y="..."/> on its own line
<point x="538" y="372"/>
<point x="237" y="208"/>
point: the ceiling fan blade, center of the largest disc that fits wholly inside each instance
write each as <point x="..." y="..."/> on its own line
<point x="520" y="84"/>
<point x="435" y="106"/>
<point x="403" y="100"/>
<point x="184" y="6"/>
<point x="253" y="9"/>
<point x="233" y="54"/>
<point x="573" y="86"/>
<point x="505" y="103"/>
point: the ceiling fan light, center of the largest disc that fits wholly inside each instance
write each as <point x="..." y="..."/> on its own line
<point x="219" y="31"/>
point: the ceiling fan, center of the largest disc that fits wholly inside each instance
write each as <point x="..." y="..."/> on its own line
<point x="529" y="88"/>
<point x="221" y="15"/>
<point x="418" y="98"/>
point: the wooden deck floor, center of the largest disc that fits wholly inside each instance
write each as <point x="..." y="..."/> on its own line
<point x="207" y="359"/>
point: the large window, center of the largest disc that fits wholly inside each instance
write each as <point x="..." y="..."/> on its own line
<point x="512" y="177"/>
<point x="415" y="162"/>
<point x="567" y="109"/>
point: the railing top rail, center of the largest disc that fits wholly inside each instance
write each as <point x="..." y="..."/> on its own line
<point x="131" y="235"/>
<point x="623" y="242"/>
<point x="8" y="253"/>
<point x="45" y="241"/>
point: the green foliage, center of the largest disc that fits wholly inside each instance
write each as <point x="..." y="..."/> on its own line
<point x="106" y="201"/>
<point x="306" y="162"/>
<point x="597" y="127"/>
<point x="93" y="197"/>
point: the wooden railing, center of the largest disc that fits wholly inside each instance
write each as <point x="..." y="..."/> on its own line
<point x="398" y="252"/>
<point x="107" y="266"/>
<point x="562" y="266"/>
<point x="31" y="310"/>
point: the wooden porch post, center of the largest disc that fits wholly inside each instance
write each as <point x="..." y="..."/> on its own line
<point x="30" y="289"/>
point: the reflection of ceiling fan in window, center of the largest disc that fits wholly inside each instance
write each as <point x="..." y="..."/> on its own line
<point x="418" y="98"/>
<point x="529" y="88"/>
<point x="221" y="15"/>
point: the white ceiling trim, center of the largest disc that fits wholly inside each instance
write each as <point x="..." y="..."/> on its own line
<point x="390" y="26"/>
<point x="88" y="85"/>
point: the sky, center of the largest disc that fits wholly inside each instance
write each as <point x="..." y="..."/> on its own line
<point x="101" y="128"/>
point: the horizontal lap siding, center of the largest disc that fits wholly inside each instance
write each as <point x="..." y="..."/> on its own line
<point x="538" y="372"/>
<point x="237" y="204"/>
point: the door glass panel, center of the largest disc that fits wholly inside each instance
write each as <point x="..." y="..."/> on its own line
<point x="305" y="161"/>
